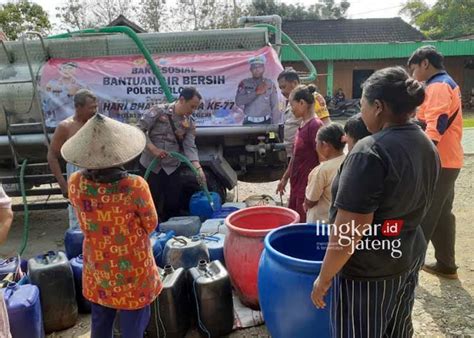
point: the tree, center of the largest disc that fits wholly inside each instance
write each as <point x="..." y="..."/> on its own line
<point x="207" y="14"/>
<point x="74" y="14"/>
<point x="324" y="9"/>
<point x="21" y="17"/>
<point x="153" y="14"/>
<point x="330" y="10"/>
<point x="288" y="12"/>
<point x="81" y="14"/>
<point x="413" y="9"/>
<point x="105" y="11"/>
<point x="444" y="20"/>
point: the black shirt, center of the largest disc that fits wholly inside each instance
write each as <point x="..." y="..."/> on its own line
<point x="393" y="174"/>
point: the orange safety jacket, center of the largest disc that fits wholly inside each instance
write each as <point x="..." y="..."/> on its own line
<point x="442" y="113"/>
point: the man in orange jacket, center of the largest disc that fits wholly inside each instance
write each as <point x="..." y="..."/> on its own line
<point x="441" y="112"/>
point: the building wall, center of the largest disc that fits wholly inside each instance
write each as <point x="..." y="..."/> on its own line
<point x="343" y="71"/>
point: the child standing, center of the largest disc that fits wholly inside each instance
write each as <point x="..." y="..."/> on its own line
<point x="330" y="148"/>
<point x="355" y="130"/>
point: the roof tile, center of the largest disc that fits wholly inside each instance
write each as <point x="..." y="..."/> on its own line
<point x="351" y="30"/>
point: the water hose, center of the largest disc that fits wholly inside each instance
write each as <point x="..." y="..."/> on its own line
<point x="26" y="216"/>
<point x="312" y="70"/>
<point x="141" y="46"/>
<point x="156" y="71"/>
<point x="185" y="160"/>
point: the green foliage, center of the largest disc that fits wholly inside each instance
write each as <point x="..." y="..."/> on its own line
<point x="16" y="18"/>
<point x="324" y="9"/>
<point x="444" y="20"/>
<point x="468" y="123"/>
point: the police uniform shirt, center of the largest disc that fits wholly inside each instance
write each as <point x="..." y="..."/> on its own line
<point x="156" y="125"/>
<point x="264" y="105"/>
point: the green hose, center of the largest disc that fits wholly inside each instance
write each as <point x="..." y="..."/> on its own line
<point x="186" y="161"/>
<point x="132" y="35"/>
<point x="26" y="216"/>
<point x="312" y="70"/>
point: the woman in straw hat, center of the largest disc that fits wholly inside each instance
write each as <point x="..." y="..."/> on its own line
<point x="116" y="214"/>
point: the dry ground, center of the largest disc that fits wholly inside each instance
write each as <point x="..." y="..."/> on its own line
<point x="442" y="307"/>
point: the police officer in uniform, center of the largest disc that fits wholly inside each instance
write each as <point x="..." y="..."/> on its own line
<point x="258" y="95"/>
<point x="169" y="127"/>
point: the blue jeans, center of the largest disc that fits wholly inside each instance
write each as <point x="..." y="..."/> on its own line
<point x="132" y="322"/>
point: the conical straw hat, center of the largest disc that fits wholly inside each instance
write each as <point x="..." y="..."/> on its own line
<point x="103" y="143"/>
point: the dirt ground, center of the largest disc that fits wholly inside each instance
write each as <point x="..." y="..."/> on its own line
<point x="442" y="307"/>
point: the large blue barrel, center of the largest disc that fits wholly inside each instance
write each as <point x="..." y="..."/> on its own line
<point x="73" y="239"/>
<point x="199" y="205"/>
<point x="52" y="274"/>
<point x="77" y="266"/>
<point x="24" y="310"/>
<point x="289" y="264"/>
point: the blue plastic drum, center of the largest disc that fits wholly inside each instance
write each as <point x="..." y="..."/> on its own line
<point x="199" y="205"/>
<point x="289" y="264"/>
<point x="77" y="266"/>
<point x="24" y="310"/>
<point x="73" y="239"/>
<point x="223" y="212"/>
<point x="158" y="242"/>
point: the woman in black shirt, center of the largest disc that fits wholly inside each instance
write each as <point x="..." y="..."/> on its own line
<point x="380" y="196"/>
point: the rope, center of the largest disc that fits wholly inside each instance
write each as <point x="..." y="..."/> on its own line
<point x="180" y="240"/>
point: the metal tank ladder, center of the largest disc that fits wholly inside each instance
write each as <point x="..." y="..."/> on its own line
<point x="34" y="171"/>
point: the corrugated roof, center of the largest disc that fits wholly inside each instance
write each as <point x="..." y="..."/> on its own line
<point x="351" y="31"/>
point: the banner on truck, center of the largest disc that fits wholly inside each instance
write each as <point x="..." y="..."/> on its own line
<point x="232" y="85"/>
